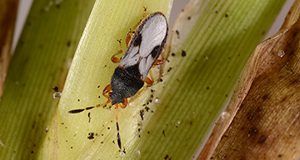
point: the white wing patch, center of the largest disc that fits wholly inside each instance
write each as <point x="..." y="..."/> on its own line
<point x="152" y="32"/>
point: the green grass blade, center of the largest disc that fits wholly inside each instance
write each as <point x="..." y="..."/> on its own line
<point x="196" y="90"/>
<point x="49" y="39"/>
<point x="179" y="111"/>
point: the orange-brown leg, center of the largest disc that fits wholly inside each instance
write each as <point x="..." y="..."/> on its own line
<point x="149" y="81"/>
<point x="114" y="57"/>
<point x="128" y="37"/>
<point x="125" y="103"/>
<point x="106" y="92"/>
<point x="159" y="62"/>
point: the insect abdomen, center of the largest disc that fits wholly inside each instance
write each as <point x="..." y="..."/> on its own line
<point x="125" y="83"/>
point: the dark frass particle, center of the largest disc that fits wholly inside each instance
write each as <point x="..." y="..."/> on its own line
<point x="167" y="157"/>
<point x="183" y="53"/>
<point x="91" y="135"/>
<point x="142" y="112"/>
<point x="147" y="109"/>
<point x="163" y="132"/>
<point x="189" y="18"/>
<point x="55" y="89"/>
<point x="89" y="116"/>
<point x="173" y="54"/>
<point x="68" y="43"/>
<point x="226" y="15"/>
<point x="178" y="34"/>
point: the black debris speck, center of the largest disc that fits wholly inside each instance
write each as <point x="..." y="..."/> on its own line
<point x="147" y="109"/>
<point x="167" y="157"/>
<point x="183" y="53"/>
<point x="91" y="135"/>
<point x="69" y="43"/>
<point x="142" y="112"/>
<point x="89" y="116"/>
<point x="226" y="15"/>
<point x="55" y="89"/>
<point x="177" y="33"/>
<point x="189" y="17"/>
<point x="173" y="54"/>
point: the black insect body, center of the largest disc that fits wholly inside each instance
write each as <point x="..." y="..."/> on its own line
<point x="144" y="49"/>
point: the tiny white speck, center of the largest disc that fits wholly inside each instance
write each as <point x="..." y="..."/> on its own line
<point x="47" y="8"/>
<point x="225" y="115"/>
<point x="280" y="53"/>
<point x="178" y="123"/>
<point x="69" y="62"/>
<point x="46" y="129"/>
<point x="58" y="2"/>
<point x="56" y="95"/>
<point x="156" y="100"/>
<point x="138" y="152"/>
<point x="122" y="154"/>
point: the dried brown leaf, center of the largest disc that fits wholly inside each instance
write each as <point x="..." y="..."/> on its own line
<point x="8" y="12"/>
<point x="262" y="120"/>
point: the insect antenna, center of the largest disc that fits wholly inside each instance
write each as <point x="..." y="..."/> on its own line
<point x="85" y="109"/>
<point x="118" y="130"/>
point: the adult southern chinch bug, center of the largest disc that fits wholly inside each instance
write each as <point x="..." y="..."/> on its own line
<point x="142" y="53"/>
<point x="144" y="49"/>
